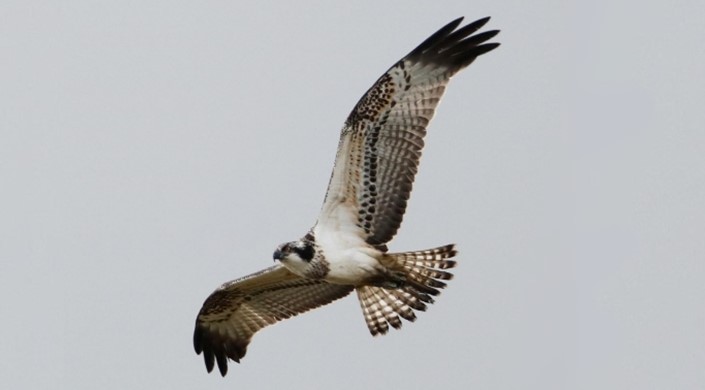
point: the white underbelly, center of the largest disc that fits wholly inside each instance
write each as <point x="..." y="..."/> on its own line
<point x="350" y="259"/>
<point x="351" y="267"/>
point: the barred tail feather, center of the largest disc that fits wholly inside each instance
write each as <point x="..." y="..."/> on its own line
<point x="424" y="271"/>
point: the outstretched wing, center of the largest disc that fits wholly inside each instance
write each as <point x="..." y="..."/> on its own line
<point x="233" y="313"/>
<point x="381" y="141"/>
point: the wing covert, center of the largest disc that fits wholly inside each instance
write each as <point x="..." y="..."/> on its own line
<point x="383" y="137"/>
<point x="234" y="312"/>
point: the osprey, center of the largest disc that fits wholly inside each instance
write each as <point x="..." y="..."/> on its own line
<point x="377" y="159"/>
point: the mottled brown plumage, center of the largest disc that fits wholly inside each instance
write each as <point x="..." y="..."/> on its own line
<point x="233" y="313"/>
<point x="378" y="156"/>
<point x="382" y="139"/>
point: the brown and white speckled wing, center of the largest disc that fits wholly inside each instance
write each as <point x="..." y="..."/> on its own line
<point x="381" y="141"/>
<point x="233" y="313"/>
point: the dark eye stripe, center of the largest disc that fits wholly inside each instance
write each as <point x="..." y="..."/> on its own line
<point x="305" y="253"/>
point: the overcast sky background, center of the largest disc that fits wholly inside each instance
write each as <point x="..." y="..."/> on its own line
<point x="151" y="150"/>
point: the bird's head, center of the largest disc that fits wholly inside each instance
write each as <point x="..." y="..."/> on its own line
<point x="301" y="252"/>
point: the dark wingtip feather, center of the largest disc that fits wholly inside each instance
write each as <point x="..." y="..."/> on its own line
<point x="479" y="38"/>
<point x="197" y="341"/>
<point x="222" y="363"/>
<point x="438" y="35"/>
<point x="200" y="347"/>
<point x="482" y="49"/>
<point x="212" y="352"/>
<point x="209" y="359"/>
<point x="480" y="22"/>
<point x="454" y="46"/>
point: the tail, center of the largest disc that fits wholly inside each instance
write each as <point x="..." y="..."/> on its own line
<point x="423" y="272"/>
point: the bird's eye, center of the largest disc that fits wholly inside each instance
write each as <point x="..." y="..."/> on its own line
<point x="305" y="252"/>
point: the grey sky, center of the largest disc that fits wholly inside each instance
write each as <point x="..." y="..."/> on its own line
<point x="150" y="151"/>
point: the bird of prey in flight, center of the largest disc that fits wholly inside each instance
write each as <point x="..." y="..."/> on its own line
<point x="378" y="157"/>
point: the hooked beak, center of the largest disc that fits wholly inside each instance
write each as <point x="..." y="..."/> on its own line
<point x="278" y="255"/>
